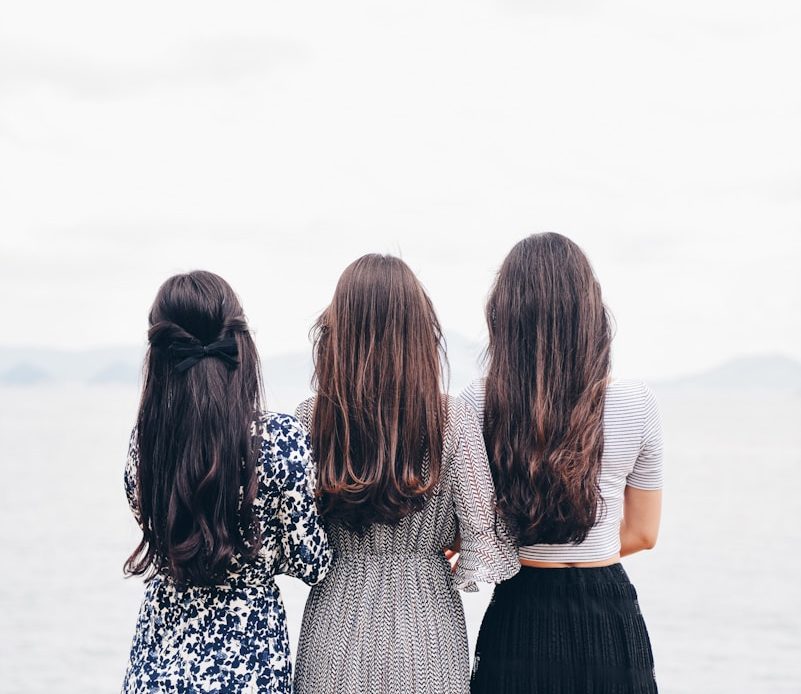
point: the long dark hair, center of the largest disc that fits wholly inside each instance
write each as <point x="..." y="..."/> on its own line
<point x="196" y="477"/>
<point x="377" y="423"/>
<point x="549" y="363"/>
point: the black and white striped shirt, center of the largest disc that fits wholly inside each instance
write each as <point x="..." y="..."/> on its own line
<point x="632" y="456"/>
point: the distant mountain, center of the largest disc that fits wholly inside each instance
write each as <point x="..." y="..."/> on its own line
<point x="759" y="372"/>
<point x="118" y="372"/>
<point x="75" y="365"/>
<point x="24" y="374"/>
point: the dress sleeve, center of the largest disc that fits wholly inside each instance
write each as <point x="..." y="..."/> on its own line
<point x="131" y="465"/>
<point x="305" y="549"/>
<point x="487" y="552"/>
<point x="647" y="471"/>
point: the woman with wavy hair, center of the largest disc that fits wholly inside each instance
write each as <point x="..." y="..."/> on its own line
<point x="577" y="464"/>
<point x="224" y="494"/>
<point x="401" y="468"/>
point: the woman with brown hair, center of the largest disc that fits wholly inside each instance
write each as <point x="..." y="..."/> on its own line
<point x="577" y="464"/>
<point x="401" y="469"/>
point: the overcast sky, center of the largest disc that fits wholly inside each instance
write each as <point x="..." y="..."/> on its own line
<point x="275" y="142"/>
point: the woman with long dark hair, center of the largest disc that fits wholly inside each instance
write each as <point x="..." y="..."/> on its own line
<point x="400" y="468"/>
<point x="577" y="464"/>
<point x="224" y="495"/>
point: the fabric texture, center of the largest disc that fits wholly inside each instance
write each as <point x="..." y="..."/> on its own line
<point x="632" y="456"/>
<point x="571" y="631"/>
<point x="388" y="619"/>
<point x="232" y="637"/>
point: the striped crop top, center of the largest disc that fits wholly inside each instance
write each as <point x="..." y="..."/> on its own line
<point x="632" y="457"/>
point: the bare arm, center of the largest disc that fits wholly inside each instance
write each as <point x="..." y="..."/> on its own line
<point x="641" y="514"/>
<point x="642" y="501"/>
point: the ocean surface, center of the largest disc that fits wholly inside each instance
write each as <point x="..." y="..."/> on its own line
<point x="721" y="592"/>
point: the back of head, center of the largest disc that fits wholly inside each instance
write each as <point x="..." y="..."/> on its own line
<point x="549" y="362"/>
<point x="377" y="422"/>
<point x="196" y="477"/>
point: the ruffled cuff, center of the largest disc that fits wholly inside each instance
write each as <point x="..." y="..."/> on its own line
<point x="489" y="556"/>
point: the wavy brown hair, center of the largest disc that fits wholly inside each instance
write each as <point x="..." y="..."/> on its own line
<point x="548" y="368"/>
<point x="378" y="417"/>
<point x="196" y="474"/>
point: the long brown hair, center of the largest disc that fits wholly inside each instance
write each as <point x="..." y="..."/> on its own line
<point x="196" y="473"/>
<point x="549" y="363"/>
<point x="377" y="423"/>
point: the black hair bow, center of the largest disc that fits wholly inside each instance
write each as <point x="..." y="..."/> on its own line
<point x="191" y="354"/>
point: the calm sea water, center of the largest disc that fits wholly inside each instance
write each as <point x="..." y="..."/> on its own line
<point x="721" y="592"/>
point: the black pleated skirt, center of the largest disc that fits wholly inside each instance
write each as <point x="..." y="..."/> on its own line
<point x="564" y="631"/>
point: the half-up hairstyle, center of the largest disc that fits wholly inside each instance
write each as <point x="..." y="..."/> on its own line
<point x="548" y="368"/>
<point x="378" y="417"/>
<point x="196" y="476"/>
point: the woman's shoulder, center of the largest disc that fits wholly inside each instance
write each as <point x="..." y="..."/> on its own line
<point x="270" y="425"/>
<point x="629" y="396"/>
<point x="284" y="446"/>
<point x="628" y="389"/>
<point x="304" y="411"/>
<point x="474" y="395"/>
<point x="284" y="440"/>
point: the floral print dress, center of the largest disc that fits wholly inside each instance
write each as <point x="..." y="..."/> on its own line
<point x="233" y="637"/>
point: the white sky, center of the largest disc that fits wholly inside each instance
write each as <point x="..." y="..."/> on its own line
<point x="275" y="142"/>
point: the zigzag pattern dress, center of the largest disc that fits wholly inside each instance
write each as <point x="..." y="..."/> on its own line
<point x="388" y="618"/>
<point x="233" y="637"/>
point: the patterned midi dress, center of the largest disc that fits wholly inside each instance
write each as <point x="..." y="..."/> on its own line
<point x="388" y="618"/>
<point x="233" y="637"/>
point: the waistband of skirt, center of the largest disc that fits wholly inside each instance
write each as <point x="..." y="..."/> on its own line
<point x="614" y="573"/>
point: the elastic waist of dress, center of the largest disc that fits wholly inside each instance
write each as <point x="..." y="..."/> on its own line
<point x="379" y="555"/>
<point x="234" y="583"/>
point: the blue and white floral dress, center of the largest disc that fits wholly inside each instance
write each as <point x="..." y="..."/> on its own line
<point x="233" y="637"/>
